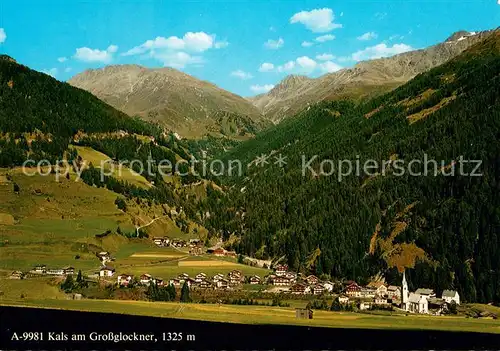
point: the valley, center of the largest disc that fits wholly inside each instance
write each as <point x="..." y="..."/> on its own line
<point x="184" y="243"/>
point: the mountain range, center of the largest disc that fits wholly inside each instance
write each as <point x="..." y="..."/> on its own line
<point x="443" y="104"/>
<point x="365" y="79"/>
<point x="193" y="108"/>
<point x="179" y="102"/>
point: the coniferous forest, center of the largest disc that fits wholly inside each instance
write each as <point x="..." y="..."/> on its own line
<point x="443" y="230"/>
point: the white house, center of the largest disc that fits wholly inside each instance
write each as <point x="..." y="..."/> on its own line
<point x="418" y="303"/>
<point x="218" y="277"/>
<point x="379" y="300"/>
<point x="343" y="299"/>
<point x="146" y="279"/>
<point x="451" y="295"/>
<point x="106" y="271"/>
<point x="200" y="277"/>
<point x="328" y="286"/>
<point x="125" y="279"/>
<point x="379" y="287"/>
<point x="394" y="292"/>
<point x="429" y="293"/>
<point x="365" y="305"/>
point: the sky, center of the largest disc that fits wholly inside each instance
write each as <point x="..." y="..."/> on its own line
<point x="245" y="47"/>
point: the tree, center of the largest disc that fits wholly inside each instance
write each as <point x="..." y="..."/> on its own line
<point x="172" y="292"/>
<point x="121" y="204"/>
<point x="453" y="307"/>
<point x="336" y="305"/>
<point x="240" y="258"/>
<point x="80" y="280"/>
<point x="185" y="293"/>
<point x="16" y="188"/>
<point x="68" y="284"/>
<point x="79" y="277"/>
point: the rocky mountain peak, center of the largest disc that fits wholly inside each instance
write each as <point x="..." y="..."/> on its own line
<point x="458" y="35"/>
<point x="289" y="82"/>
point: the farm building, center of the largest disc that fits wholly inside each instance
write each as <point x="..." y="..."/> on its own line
<point x="16" y="275"/>
<point x="303" y="313"/>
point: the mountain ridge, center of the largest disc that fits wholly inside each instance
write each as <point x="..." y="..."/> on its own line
<point x="365" y="79"/>
<point x="178" y="101"/>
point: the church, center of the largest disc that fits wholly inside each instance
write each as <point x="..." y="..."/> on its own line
<point x="418" y="301"/>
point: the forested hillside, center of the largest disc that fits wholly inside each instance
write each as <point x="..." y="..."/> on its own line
<point x="51" y="112"/>
<point x="443" y="229"/>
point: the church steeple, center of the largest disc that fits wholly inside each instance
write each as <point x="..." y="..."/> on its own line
<point x="404" y="293"/>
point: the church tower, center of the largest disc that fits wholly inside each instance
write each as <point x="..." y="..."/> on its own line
<point x="404" y="293"/>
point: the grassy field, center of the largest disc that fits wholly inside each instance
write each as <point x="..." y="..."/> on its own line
<point x="56" y="222"/>
<point x="268" y="315"/>
<point x="98" y="158"/>
<point x="36" y="288"/>
<point x="169" y="263"/>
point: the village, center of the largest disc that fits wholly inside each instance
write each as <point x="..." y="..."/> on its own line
<point x="375" y="295"/>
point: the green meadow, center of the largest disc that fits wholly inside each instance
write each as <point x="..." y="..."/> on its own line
<point x="269" y="315"/>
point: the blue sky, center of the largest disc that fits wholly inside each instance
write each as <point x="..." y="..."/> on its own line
<point x="243" y="46"/>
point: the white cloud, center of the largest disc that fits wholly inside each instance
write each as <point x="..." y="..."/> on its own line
<point x="317" y="20"/>
<point x="241" y="74"/>
<point x="498" y="2"/>
<point x="95" y="55"/>
<point x="62" y="59"/>
<point x="380" y="15"/>
<point x="330" y="67"/>
<point x="68" y="69"/>
<point x="325" y="57"/>
<point x="287" y="67"/>
<point x="3" y="35"/>
<point x="191" y="42"/>
<point x="368" y="36"/>
<point x="307" y="44"/>
<point x="178" y="52"/>
<point x="323" y="38"/>
<point x="379" y="51"/>
<point x="344" y="58"/>
<point x="272" y="29"/>
<point x="274" y="44"/>
<point x="51" y="72"/>
<point x="221" y="44"/>
<point x="266" y="67"/>
<point x="112" y="49"/>
<point x="306" y="63"/>
<point x="261" y="88"/>
<point x="177" y="60"/>
<point x="396" y="36"/>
